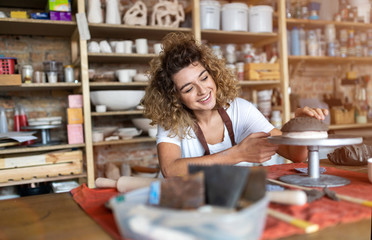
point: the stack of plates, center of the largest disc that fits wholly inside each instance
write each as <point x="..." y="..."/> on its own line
<point x="45" y="121"/>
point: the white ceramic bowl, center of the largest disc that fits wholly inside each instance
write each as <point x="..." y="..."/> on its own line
<point x="117" y="99"/>
<point x="128" y="133"/>
<point x="142" y="123"/>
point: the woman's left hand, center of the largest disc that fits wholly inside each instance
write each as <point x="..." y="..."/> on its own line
<point x="318" y="113"/>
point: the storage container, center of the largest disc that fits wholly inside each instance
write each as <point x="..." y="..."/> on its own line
<point x="137" y="220"/>
<point x="7" y="65"/>
<point x="261" y="19"/>
<point x="235" y="17"/>
<point x="210" y="12"/>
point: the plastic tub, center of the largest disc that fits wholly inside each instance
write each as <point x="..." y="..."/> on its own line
<point x="261" y="19"/>
<point x="210" y="15"/>
<point x="235" y="17"/>
<point x="136" y="220"/>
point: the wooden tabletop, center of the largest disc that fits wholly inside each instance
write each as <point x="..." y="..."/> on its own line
<point x="48" y="216"/>
<point x="57" y="216"/>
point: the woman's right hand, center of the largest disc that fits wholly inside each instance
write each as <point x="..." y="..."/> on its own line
<point x="256" y="148"/>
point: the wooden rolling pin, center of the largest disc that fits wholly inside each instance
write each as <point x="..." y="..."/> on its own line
<point x="125" y="183"/>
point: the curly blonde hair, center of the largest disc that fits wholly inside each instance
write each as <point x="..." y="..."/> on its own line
<point x="162" y="100"/>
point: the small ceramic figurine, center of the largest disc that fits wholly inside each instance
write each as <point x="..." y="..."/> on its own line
<point x="136" y="15"/>
<point x="168" y="14"/>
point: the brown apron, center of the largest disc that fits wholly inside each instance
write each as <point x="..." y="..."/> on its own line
<point x="226" y="119"/>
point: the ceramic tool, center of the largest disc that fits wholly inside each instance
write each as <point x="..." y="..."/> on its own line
<point x="360" y="201"/>
<point x="224" y="184"/>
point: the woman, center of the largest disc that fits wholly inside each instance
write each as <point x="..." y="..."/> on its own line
<point x="194" y="100"/>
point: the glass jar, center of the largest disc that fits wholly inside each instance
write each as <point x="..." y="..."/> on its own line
<point x="69" y="73"/>
<point x="27" y="72"/>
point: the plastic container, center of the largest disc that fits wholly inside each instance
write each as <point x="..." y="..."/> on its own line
<point x="295" y="42"/>
<point x="132" y="214"/>
<point x="235" y="17"/>
<point x="261" y="18"/>
<point x="7" y="65"/>
<point x="210" y="12"/>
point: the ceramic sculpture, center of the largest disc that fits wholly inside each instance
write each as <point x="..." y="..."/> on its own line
<point x="136" y="15"/>
<point x="167" y="14"/>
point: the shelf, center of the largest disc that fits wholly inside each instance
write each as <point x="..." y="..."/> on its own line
<point x="222" y="37"/>
<point x="41" y="86"/>
<point x="127" y="141"/>
<point x="312" y="24"/>
<point x="36" y="27"/>
<point x="34" y="4"/>
<point x="26" y="149"/>
<point x="48" y="179"/>
<point x="116" y="85"/>
<point x="120" y="58"/>
<point x="258" y="83"/>
<point x="350" y="126"/>
<point x="103" y="30"/>
<point x="115" y="113"/>
<point x="329" y="60"/>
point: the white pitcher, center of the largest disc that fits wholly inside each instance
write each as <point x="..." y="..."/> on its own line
<point x="112" y="12"/>
<point x="95" y="11"/>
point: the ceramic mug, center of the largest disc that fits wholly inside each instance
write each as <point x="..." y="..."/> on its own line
<point x="153" y="132"/>
<point x="128" y="44"/>
<point x="141" y="46"/>
<point x="120" y="47"/>
<point x="158" y="47"/>
<point x="101" y="108"/>
<point x="370" y="169"/>
<point x="125" y="75"/>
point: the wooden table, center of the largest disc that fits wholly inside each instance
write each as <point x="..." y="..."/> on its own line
<point x="57" y="216"/>
<point x="361" y="230"/>
<point x="49" y="216"/>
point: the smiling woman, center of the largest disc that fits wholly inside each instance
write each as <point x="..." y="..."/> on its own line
<point x="193" y="98"/>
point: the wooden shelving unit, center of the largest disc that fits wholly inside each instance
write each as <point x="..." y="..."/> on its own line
<point x="102" y="30"/>
<point x="44" y="28"/>
<point x="119" y="58"/>
<point x="41" y="87"/>
<point x="127" y="141"/>
<point x="118" y="113"/>
<point x="297" y="61"/>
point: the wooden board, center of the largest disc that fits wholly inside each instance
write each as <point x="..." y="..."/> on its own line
<point x="41" y="166"/>
<point x="41" y="159"/>
<point x="52" y="170"/>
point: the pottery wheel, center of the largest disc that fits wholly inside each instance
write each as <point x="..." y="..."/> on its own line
<point x="314" y="178"/>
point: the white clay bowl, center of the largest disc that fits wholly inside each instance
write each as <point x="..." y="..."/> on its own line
<point x="117" y="99"/>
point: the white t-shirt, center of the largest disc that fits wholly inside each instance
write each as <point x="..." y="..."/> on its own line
<point x="246" y="119"/>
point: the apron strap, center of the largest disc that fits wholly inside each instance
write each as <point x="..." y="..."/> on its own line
<point x="227" y="121"/>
